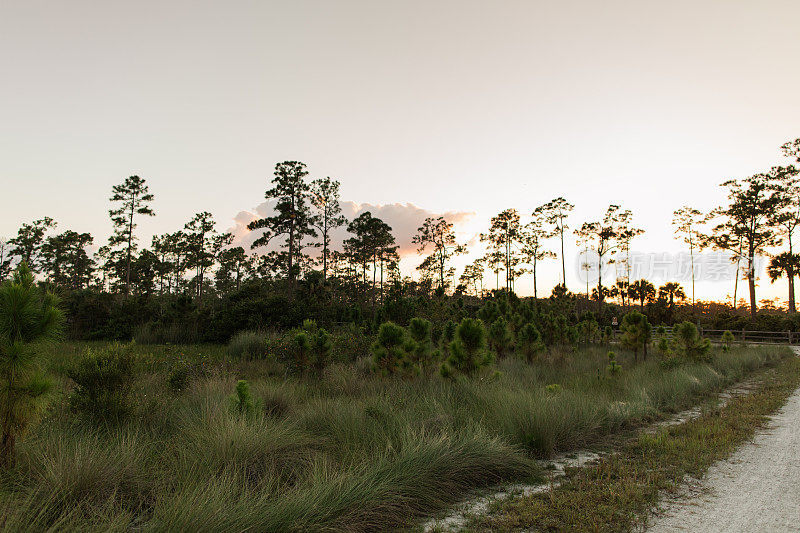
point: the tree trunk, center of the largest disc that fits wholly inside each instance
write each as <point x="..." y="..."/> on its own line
<point x="790" y="275"/>
<point x="374" y="268"/>
<point x="563" y="259"/>
<point x="736" y="284"/>
<point x="599" y="285"/>
<point x="751" y="284"/>
<point x="130" y="242"/>
<point x="691" y="260"/>
<point x="325" y="251"/>
<point x="291" y="261"/>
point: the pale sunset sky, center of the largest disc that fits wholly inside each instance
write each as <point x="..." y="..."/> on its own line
<point x="419" y="108"/>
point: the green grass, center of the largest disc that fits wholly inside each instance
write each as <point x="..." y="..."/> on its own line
<point x="345" y="451"/>
<point x="618" y="492"/>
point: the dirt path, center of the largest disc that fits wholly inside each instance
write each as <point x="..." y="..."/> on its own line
<point x="756" y="489"/>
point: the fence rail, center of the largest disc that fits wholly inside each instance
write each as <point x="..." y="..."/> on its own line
<point x="754" y="337"/>
<point x="748" y="336"/>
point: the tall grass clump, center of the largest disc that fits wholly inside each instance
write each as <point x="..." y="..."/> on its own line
<point x="248" y="345"/>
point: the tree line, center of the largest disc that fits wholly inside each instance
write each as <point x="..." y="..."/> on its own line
<point x="761" y="213"/>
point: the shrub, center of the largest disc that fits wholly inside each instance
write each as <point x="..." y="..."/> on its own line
<point x="500" y="336"/>
<point x="556" y="330"/>
<point x="183" y="373"/>
<point x="608" y="334"/>
<point x="529" y="341"/>
<point x="490" y="312"/>
<point x="588" y="330"/>
<point x="420" y="331"/>
<point x="27" y="317"/>
<point x="635" y="333"/>
<point x="553" y="388"/>
<point x="727" y="340"/>
<point x="663" y="346"/>
<point x="690" y="344"/>
<point x="449" y="332"/>
<point x="613" y="367"/>
<point x="390" y="352"/>
<point x="103" y="380"/>
<point x="314" y="347"/>
<point x="468" y="352"/>
<point x="242" y="401"/>
<point x="179" y="377"/>
<point x="248" y="345"/>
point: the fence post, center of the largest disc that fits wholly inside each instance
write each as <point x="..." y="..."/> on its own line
<point x="743" y="335"/>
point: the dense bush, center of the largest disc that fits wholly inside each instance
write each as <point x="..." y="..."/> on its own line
<point x="313" y="348"/>
<point x="29" y="317"/>
<point x="635" y="332"/>
<point x="529" y="341"/>
<point x="103" y="380"/>
<point x="727" y="340"/>
<point x="501" y="339"/>
<point x="468" y="352"/>
<point x="422" y="354"/>
<point x="689" y="342"/>
<point x="390" y="351"/>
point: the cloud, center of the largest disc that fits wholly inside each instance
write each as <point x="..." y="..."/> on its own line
<point x="404" y="220"/>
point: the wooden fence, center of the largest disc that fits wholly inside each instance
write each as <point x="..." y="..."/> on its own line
<point x="748" y="336"/>
<point x="754" y="337"/>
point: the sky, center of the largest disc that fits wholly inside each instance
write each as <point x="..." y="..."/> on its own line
<point x="419" y="108"/>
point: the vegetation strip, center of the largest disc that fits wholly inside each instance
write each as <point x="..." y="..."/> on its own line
<point x="618" y="492"/>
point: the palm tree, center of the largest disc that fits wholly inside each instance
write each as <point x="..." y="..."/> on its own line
<point x="785" y="264"/>
<point x="621" y="288"/>
<point x="641" y="290"/>
<point x="28" y="316"/>
<point x="671" y="291"/>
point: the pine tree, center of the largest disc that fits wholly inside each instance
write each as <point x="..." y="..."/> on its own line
<point x="292" y="218"/>
<point x="28" y="317"/>
<point x="468" y="354"/>
<point x="133" y="197"/>
<point x="27" y="245"/>
<point x="438" y="235"/>
<point x="324" y="195"/>
<point x="505" y="237"/>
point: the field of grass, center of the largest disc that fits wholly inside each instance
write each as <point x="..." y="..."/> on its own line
<point x="343" y="451"/>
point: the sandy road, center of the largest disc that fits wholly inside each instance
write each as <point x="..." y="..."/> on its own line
<point x="756" y="489"/>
